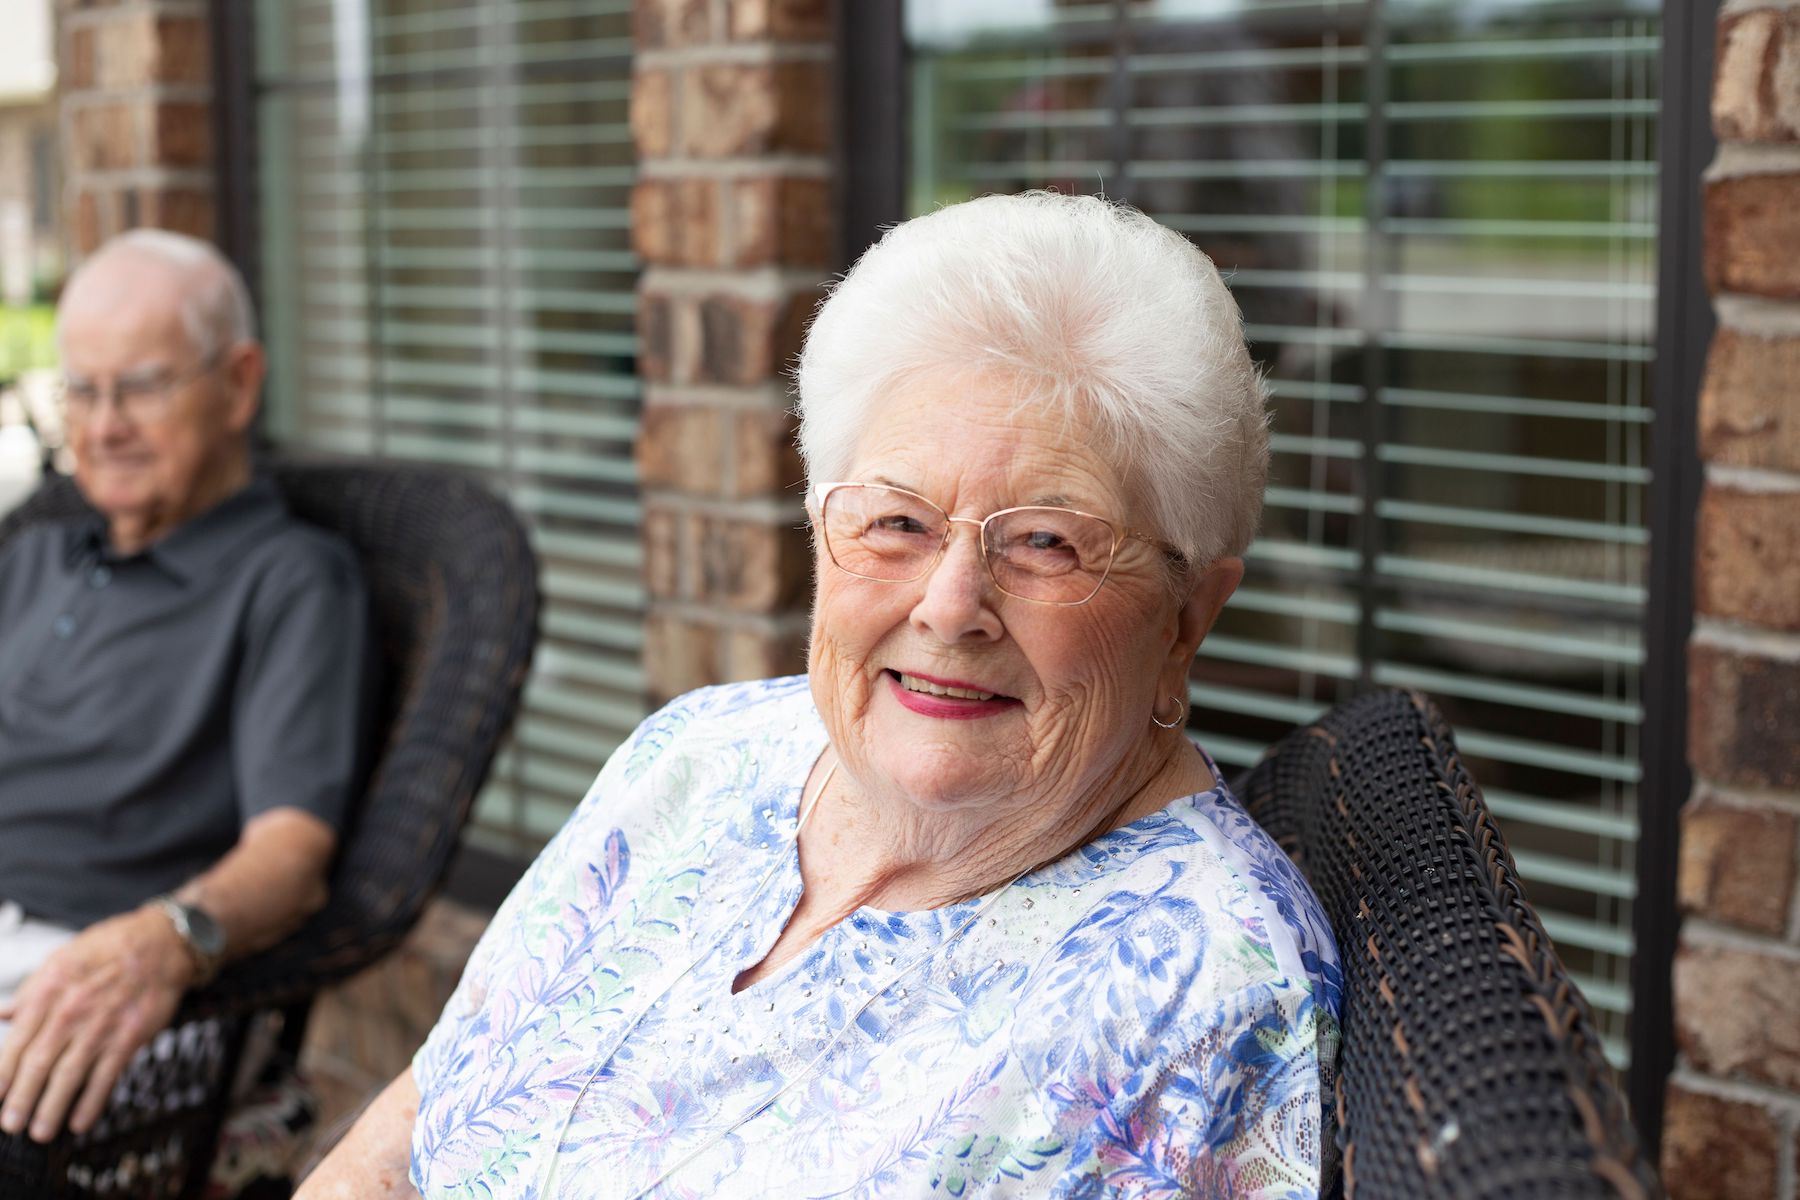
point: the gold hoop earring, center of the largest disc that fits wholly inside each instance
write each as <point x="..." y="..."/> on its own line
<point x="1180" y="716"/>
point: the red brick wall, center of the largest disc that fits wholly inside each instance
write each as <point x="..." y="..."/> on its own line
<point x="732" y="215"/>
<point x="137" y="132"/>
<point x="1732" y="1128"/>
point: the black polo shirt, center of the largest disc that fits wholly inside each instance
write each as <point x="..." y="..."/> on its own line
<point x="150" y="704"/>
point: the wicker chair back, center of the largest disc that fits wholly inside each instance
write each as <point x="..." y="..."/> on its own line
<point x="453" y="589"/>
<point x="1470" y="1067"/>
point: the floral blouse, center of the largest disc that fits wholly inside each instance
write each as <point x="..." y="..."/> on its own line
<point x="1153" y="1015"/>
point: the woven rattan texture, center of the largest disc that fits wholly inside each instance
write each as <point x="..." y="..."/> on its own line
<point x="453" y="587"/>
<point x="1470" y="1066"/>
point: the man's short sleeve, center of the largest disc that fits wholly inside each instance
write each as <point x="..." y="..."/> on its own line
<point x="299" y="709"/>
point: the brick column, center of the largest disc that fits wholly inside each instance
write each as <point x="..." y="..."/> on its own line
<point x="136" y="103"/>
<point x="1732" y="1127"/>
<point x="730" y="109"/>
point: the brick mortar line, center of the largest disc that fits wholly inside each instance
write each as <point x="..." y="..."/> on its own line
<point x="1757" y="316"/>
<point x="773" y="396"/>
<point x="761" y="510"/>
<point x="753" y="283"/>
<point x="93" y="18"/>
<point x="1756" y="481"/>
<point x="1742" y="1091"/>
<point x="152" y="93"/>
<point x="1744" y="639"/>
<point x="1748" y="799"/>
<point x="737" y="620"/>
<point x="141" y="177"/>
<point x="732" y="54"/>
<point x="1706" y="933"/>
<point x="687" y="167"/>
<point x="1738" y="160"/>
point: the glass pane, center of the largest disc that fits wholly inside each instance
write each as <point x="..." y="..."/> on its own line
<point x="450" y="280"/>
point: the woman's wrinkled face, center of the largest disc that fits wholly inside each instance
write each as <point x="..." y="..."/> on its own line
<point x="1072" y="687"/>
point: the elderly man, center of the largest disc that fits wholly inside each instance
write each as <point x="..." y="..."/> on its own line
<point x="180" y="686"/>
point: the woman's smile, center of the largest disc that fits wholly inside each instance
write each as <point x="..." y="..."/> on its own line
<point x="946" y="699"/>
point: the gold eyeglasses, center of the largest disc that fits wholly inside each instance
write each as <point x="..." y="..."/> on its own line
<point x="141" y="398"/>
<point x="1037" y="553"/>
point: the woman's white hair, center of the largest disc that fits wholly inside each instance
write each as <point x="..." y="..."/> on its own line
<point x="216" y="311"/>
<point x="1091" y="307"/>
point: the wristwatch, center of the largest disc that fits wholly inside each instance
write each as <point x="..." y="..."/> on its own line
<point x="205" y="940"/>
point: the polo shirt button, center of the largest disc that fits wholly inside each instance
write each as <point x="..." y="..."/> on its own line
<point x="101" y="576"/>
<point x="63" y="626"/>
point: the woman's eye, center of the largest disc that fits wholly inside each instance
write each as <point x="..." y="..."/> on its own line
<point x="1043" y="539"/>
<point x="896" y="524"/>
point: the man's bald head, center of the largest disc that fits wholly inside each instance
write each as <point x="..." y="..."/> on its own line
<point x="213" y="303"/>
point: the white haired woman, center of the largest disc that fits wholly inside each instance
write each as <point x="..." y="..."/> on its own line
<point x="961" y="912"/>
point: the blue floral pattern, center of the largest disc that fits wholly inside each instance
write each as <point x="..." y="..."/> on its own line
<point x="1155" y="1014"/>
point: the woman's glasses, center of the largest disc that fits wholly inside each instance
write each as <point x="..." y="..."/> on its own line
<point x="1042" y="554"/>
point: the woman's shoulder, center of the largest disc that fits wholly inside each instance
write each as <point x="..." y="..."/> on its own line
<point x="1204" y="866"/>
<point x="760" y="709"/>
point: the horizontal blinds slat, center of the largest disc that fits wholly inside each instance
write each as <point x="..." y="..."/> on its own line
<point x="1552" y="757"/>
<point x="1587" y="933"/>
<point x="1514" y="406"/>
<point x="1292" y="658"/>
<point x="1533" y="49"/>
<point x="1554" y="814"/>
<point x="1625" y="652"/>
<point x="1533" y="697"/>
<point x="1466" y="574"/>
<point x="1602" y="880"/>
<point x="1512" y="464"/>
<point x="1510" y="522"/>
<point x="1490" y="227"/>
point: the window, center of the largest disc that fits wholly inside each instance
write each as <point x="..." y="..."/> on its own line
<point x="1440" y="222"/>
<point x="448" y="279"/>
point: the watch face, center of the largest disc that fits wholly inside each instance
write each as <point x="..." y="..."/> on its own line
<point x="204" y="932"/>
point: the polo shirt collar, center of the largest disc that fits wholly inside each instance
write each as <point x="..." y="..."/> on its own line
<point x="196" y="546"/>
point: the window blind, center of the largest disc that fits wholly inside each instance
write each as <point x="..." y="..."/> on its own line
<point x="1439" y="220"/>
<point x="449" y="280"/>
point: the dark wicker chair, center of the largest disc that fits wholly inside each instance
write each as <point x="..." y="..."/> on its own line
<point x="454" y="591"/>
<point x="1470" y="1066"/>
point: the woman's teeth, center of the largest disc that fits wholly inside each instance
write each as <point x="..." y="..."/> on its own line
<point x="913" y="683"/>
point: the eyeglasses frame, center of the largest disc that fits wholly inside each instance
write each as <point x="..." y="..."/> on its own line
<point x="821" y="492"/>
<point x="164" y="390"/>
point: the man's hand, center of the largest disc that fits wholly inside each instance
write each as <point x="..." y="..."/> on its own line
<point x="80" y="1017"/>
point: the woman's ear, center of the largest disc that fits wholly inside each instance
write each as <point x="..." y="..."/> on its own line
<point x="1210" y="589"/>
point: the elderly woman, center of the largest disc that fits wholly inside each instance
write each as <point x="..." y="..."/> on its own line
<point x="962" y="911"/>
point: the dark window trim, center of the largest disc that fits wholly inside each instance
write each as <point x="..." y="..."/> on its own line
<point x="233" y="33"/>
<point x="872" y="95"/>
<point x="1684" y="328"/>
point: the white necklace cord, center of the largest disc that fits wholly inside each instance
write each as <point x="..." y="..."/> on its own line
<point x="546" y="1174"/>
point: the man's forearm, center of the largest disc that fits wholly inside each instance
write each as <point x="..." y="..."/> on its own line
<point x="271" y="881"/>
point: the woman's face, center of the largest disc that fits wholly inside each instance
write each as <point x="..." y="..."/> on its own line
<point x="1073" y="687"/>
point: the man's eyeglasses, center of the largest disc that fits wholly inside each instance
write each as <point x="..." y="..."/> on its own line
<point x="141" y="398"/>
<point x="1046" y="555"/>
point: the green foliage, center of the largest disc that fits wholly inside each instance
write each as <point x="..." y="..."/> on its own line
<point x="27" y="339"/>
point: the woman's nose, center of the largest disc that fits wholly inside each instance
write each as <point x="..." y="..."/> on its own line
<point x="958" y="602"/>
